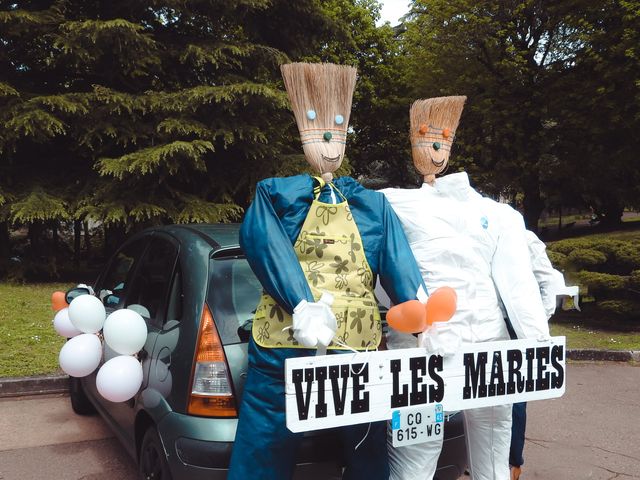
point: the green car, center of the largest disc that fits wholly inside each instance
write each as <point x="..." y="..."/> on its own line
<point x="197" y="293"/>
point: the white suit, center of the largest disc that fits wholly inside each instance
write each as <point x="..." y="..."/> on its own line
<point x="478" y="247"/>
<point x="550" y="280"/>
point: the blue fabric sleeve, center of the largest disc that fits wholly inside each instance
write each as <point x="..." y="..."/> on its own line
<point x="268" y="247"/>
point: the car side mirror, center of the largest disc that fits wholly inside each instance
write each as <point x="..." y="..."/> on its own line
<point x="76" y="292"/>
<point x="111" y="300"/>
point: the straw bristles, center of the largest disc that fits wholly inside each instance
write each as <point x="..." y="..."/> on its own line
<point x="323" y="87"/>
<point x="441" y="112"/>
<point x="439" y="118"/>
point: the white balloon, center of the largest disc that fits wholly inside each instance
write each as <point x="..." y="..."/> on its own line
<point x="81" y="355"/>
<point x="63" y="326"/>
<point x="125" y="331"/>
<point x="87" y="313"/>
<point x="120" y="378"/>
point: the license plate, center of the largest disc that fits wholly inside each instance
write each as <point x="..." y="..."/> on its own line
<point x="417" y="425"/>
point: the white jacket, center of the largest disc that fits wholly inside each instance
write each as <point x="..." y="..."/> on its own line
<point x="478" y="247"/>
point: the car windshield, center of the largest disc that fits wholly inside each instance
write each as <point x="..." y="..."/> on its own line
<point x="233" y="295"/>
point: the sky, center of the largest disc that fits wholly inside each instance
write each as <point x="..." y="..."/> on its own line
<point x="392" y="10"/>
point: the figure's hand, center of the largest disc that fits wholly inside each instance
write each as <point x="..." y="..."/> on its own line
<point x="441" y="338"/>
<point x="314" y="324"/>
<point x="543" y="338"/>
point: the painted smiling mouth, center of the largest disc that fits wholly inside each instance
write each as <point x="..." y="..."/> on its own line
<point x="331" y="159"/>
<point x="436" y="164"/>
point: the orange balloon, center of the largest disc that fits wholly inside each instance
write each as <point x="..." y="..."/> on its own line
<point x="408" y="317"/>
<point x="441" y="305"/>
<point x="58" y="301"/>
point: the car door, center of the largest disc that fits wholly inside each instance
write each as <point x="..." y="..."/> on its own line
<point x="147" y="295"/>
<point x="157" y="295"/>
<point x="145" y="291"/>
<point x="162" y="375"/>
<point x="112" y="287"/>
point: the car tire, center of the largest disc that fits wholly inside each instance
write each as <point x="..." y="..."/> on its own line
<point x="80" y="403"/>
<point x="153" y="464"/>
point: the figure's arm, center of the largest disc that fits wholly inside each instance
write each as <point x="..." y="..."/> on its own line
<point x="550" y="280"/>
<point x="270" y="252"/>
<point x="513" y="275"/>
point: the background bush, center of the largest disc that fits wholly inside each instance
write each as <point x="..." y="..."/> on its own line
<point x="584" y="258"/>
<point x="607" y="268"/>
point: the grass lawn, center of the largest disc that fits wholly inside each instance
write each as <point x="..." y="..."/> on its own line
<point x="28" y="343"/>
<point x="582" y="336"/>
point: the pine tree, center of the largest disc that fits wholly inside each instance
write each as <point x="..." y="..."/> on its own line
<point x="131" y="112"/>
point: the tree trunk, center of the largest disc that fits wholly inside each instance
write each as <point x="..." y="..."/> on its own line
<point x="4" y="238"/>
<point x="54" y="236"/>
<point x="77" y="230"/>
<point x="87" y="240"/>
<point x="5" y="246"/>
<point x="114" y="235"/>
<point x="35" y="232"/>
<point x="532" y="205"/>
<point x="560" y="218"/>
<point x="612" y="214"/>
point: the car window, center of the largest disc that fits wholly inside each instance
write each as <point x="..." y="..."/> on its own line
<point x="233" y="295"/>
<point x="150" y="285"/>
<point x="114" y="284"/>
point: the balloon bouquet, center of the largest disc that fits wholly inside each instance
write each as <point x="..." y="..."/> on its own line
<point x="124" y="331"/>
<point x="416" y="317"/>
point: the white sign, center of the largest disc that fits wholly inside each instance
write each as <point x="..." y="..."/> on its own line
<point x="417" y="425"/>
<point x="350" y="388"/>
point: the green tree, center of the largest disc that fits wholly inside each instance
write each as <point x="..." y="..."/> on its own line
<point x="599" y="106"/>
<point x="132" y="112"/>
<point x="508" y="57"/>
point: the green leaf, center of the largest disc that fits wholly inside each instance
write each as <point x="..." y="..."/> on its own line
<point x="38" y="205"/>
<point x="170" y="158"/>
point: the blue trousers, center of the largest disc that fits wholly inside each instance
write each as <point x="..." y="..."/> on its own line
<point x="518" y="427"/>
<point x="265" y="449"/>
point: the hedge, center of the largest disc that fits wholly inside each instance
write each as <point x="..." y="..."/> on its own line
<point x="607" y="270"/>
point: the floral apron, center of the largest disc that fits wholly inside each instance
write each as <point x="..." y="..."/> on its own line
<point x="332" y="258"/>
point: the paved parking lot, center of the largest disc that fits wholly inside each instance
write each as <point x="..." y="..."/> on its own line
<point x="593" y="432"/>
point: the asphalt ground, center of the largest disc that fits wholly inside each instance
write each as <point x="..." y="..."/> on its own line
<point x="592" y="432"/>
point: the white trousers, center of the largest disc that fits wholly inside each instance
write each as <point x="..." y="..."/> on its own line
<point x="488" y="437"/>
<point x="487" y="433"/>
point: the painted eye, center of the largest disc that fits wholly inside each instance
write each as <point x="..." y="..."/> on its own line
<point x="446" y="133"/>
<point x="311" y="114"/>
<point x="339" y="119"/>
<point x="436" y="146"/>
<point x="423" y="129"/>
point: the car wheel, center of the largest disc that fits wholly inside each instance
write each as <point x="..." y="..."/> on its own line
<point x="80" y="403"/>
<point x="153" y="461"/>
